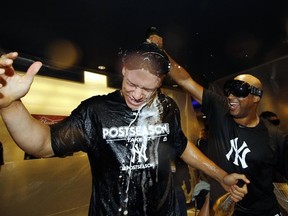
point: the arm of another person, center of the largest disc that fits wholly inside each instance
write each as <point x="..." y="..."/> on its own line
<point x="195" y="158"/>
<point x="183" y="78"/>
<point x="29" y="134"/>
<point x="178" y="73"/>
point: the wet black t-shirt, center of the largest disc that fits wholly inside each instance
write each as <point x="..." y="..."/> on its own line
<point x="130" y="152"/>
<point x="244" y="150"/>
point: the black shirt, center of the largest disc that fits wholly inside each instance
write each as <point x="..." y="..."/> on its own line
<point x="130" y="153"/>
<point x="243" y="150"/>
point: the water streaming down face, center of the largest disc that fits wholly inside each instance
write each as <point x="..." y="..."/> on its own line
<point x="147" y="116"/>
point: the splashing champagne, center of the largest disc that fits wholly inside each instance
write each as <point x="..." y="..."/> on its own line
<point x="224" y="205"/>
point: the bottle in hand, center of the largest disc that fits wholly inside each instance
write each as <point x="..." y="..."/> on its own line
<point x="224" y="205"/>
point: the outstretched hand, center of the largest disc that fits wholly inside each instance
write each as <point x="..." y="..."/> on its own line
<point x="12" y="85"/>
<point x="230" y="184"/>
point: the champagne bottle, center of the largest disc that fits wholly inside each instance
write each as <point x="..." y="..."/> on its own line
<point x="224" y="205"/>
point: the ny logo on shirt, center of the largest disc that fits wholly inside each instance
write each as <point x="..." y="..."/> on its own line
<point x="139" y="152"/>
<point x="240" y="153"/>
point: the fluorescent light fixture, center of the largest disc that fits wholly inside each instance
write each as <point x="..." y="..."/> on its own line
<point x="94" y="78"/>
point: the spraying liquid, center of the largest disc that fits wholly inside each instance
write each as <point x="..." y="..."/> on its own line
<point x="148" y="114"/>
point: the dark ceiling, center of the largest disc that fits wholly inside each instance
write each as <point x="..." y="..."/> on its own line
<point x="210" y="38"/>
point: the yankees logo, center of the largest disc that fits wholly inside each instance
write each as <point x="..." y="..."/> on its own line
<point x="240" y="153"/>
<point x="140" y="152"/>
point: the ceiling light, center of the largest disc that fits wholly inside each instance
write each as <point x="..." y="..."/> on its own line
<point x="101" y="67"/>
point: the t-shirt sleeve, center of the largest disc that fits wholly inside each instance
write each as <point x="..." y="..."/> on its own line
<point x="213" y="102"/>
<point x="72" y="134"/>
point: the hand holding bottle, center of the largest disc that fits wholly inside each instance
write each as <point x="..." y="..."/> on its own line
<point x="225" y="205"/>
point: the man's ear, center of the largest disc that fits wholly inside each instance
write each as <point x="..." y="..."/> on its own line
<point x="160" y="80"/>
<point x="256" y="99"/>
<point x="123" y="71"/>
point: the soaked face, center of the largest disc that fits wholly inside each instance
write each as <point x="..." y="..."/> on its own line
<point x="139" y="86"/>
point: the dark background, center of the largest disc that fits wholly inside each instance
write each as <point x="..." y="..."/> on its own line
<point x="210" y="38"/>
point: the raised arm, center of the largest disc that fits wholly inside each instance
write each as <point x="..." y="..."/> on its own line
<point x="183" y="78"/>
<point x="29" y="134"/>
<point x="177" y="73"/>
<point x="195" y="158"/>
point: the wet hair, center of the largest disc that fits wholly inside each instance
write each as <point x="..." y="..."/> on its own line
<point x="147" y="56"/>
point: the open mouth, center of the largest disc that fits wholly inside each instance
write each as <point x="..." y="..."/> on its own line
<point x="233" y="105"/>
<point x="134" y="102"/>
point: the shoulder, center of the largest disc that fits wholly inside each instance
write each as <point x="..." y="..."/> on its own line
<point x="100" y="102"/>
<point x="213" y="103"/>
<point x="100" y="99"/>
<point x="209" y="95"/>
